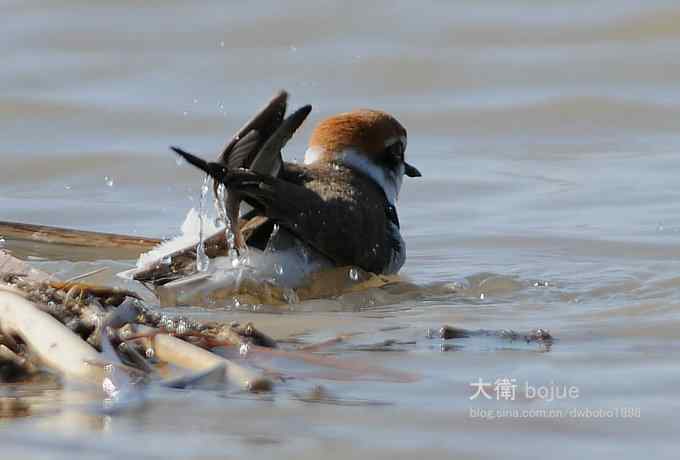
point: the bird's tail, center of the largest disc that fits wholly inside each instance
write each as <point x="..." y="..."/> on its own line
<point x="215" y="170"/>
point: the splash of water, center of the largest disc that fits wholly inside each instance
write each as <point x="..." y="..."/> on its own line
<point x="202" y="260"/>
<point x="271" y="243"/>
<point x="221" y="206"/>
<point x="353" y="274"/>
<point x="223" y="219"/>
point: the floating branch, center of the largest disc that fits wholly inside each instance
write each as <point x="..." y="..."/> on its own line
<point x="71" y="237"/>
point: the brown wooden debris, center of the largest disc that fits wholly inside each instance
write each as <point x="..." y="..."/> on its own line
<point x="71" y="237"/>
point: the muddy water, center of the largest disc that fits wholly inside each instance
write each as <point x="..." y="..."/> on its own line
<point x="547" y="134"/>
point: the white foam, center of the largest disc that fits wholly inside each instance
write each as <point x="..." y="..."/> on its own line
<point x="190" y="229"/>
<point x="287" y="268"/>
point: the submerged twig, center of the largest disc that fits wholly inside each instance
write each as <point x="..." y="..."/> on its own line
<point x="87" y="274"/>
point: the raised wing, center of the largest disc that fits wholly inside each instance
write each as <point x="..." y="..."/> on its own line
<point x="257" y="145"/>
<point x="244" y="146"/>
<point x="268" y="160"/>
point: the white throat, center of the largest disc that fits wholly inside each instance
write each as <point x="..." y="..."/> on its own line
<point x="389" y="181"/>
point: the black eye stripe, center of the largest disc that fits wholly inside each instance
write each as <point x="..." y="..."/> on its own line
<point x="394" y="154"/>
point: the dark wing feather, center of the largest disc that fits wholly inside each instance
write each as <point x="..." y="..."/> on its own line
<point x="268" y="160"/>
<point x="244" y="151"/>
<point x="265" y="122"/>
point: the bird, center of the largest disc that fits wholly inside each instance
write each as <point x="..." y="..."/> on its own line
<point x="337" y="208"/>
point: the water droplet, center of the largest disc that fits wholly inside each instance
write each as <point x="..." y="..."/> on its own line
<point x="659" y="227"/>
<point x="185" y="113"/>
<point x="221" y="206"/>
<point x="481" y="296"/>
<point x="167" y="324"/>
<point x="293" y="48"/>
<point x="109" y="181"/>
<point x="290" y="296"/>
<point x="244" y="349"/>
<point x="109" y="387"/>
<point x="278" y="269"/>
<point x="222" y="44"/>
<point x="179" y="161"/>
<point x="2" y="242"/>
<point x="195" y="101"/>
<point x="353" y="274"/>
<point x="273" y="238"/>
<point x="202" y="260"/>
<point x="220" y="106"/>
<point x="67" y="187"/>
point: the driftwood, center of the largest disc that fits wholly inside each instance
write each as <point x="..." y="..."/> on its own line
<point x="538" y="335"/>
<point x="125" y="246"/>
<point x="184" y="354"/>
<point x="50" y="329"/>
<point x="54" y="344"/>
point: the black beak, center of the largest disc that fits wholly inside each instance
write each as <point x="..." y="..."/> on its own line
<point x="411" y="171"/>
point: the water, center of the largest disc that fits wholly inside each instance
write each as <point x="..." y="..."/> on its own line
<point x="547" y="135"/>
